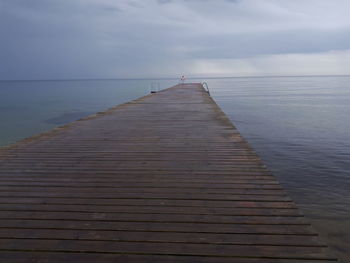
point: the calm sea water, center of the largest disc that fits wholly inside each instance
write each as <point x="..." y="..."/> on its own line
<point x="30" y="107"/>
<point x="300" y="126"/>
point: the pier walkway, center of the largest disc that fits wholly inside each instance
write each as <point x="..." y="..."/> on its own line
<point x="162" y="179"/>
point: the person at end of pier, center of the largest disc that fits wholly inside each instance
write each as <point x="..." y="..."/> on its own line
<point x="183" y="79"/>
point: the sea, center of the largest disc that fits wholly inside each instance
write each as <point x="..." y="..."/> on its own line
<point x="299" y="126"/>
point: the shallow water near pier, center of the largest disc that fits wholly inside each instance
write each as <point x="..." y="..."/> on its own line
<point x="300" y="127"/>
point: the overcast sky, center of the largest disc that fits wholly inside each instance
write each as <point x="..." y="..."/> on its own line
<point x="54" y="39"/>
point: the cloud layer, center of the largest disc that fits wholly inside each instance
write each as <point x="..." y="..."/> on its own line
<point x="43" y="39"/>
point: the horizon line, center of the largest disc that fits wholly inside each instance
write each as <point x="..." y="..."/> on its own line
<point x="175" y="78"/>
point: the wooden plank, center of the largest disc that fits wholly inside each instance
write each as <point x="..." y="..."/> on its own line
<point x="144" y="217"/>
<point x="160" y="208"/>
<point x="211" y="250"/>
<point x="162" y="237"/>
<point x="54" y="257"/>
<point x="151" y="226"/>
<point x="164" y="178"/>
<point x="240" y="194"/>
<point x="217" y="205"/>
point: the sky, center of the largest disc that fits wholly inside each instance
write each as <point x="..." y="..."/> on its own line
<point x="68" y="39"/>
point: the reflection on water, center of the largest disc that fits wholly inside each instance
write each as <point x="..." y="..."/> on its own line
<point x="300" y="126"/>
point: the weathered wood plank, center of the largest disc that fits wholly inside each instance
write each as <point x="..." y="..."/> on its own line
<point x="160" y="208"/>
<point x="190" y="249"/>
<point x="144" y="217"/>
<point x="54" y="257"/>
<point x="163" y="237"/>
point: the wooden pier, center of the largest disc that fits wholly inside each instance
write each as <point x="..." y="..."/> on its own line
<point x="162" y="179"/>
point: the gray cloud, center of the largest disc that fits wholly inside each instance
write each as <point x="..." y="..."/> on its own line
<point x="150" y="38"/>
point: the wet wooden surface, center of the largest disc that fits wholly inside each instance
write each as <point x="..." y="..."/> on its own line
<point x="164" y="178"/>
